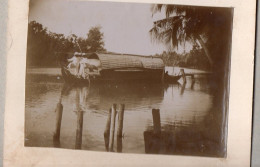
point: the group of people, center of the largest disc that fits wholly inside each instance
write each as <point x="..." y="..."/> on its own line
<point x="80" y="65"/>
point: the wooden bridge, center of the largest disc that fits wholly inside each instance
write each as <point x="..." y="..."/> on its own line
<point x="192" y="74"/>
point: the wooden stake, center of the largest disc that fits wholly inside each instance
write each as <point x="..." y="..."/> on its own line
<point x="120" y="127"/>
<point x="111" y="142"/>
<point x="107" y="130"/>
<point x="120" y="120"/>
<point x="183" y="86"/>
<point x="79" y="113"/>
<point x="56" y="136"/>
<point x="183" y="75"/>
<point x="163" y="75"/>
<point x="192" y="82"/>
<point x="156" y="121"/>
<point x="79" y="130"/>
<point x="119" y="144"/>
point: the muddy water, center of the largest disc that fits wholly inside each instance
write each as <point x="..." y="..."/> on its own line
<point x="191" y="122"/>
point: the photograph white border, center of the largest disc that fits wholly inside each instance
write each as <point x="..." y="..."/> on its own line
<point x="240" y="99"/>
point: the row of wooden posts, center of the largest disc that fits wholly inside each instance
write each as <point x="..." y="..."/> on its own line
<point x="110" y="124"/>
<point x="110" y="127"/>
<point x="155" y="140"/>
<point x="109" y="132"/>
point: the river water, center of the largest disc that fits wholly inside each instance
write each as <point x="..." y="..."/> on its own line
<point x="191" y="122"/>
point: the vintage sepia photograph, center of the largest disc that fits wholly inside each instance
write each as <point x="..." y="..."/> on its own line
<point x="125" y="77"/>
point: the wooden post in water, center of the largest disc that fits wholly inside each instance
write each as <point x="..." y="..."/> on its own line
<point x="56" y="136"/>
<point x="111" y="142"/>
<point x="183" y="75"/>
<point x="120" y="127"/>
<point x="163" y="75"/>
<point x="79" y="113"/>
<point x="183" y="86"/>
<point x="120" y="120"/>
<point x="79" y="130"/>
<point x="107" y="130"/>
<point x="156" y="121"/>
<point x="119" y="147"/>
<point x="192" y="81"/>
<point x="192" y="77"/>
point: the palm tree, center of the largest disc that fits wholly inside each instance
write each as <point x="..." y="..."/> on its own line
<point x="197" y="25"/>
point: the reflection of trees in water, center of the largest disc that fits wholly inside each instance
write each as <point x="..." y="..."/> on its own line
<point x="78" y="111"/>
<point x="204" y="137"/>
<point x="98" y="98"/>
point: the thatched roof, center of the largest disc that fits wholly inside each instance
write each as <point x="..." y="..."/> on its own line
<point x="119" y="61"/>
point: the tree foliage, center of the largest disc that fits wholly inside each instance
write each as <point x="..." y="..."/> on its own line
<point x="196" y="59"/>
<point x="43" y="46"/>
<point x="210" y="27"/>
<point x="95" y="39"/>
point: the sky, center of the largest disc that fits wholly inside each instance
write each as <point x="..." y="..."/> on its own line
<point x="125" y="25"/>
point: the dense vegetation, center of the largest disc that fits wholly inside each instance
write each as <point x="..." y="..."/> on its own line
<point x="194" y="59"/>
<point x="208" y="27"/>
<point x="43" y="46"/>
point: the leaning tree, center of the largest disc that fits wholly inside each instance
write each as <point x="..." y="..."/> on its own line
<point x="208" y="27"/>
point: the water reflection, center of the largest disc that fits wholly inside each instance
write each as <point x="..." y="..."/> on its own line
<point x="87" y="118"/>
<point x="181" y="139"/>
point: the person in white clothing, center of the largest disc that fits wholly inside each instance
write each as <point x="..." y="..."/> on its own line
<point x="74" y="63"/>
<point x="82" y="66"/>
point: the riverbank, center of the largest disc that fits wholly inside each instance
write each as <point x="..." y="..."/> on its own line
<point x="57" y="71"/>
<point x="43" y="70"/>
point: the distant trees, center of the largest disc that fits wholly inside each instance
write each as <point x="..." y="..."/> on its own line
<point x="43" y="45"/>
<point x="196" y="58"/>
<point x="95" y="39"/>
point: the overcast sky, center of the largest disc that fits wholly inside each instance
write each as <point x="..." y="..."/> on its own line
<point x="125" y="25"/>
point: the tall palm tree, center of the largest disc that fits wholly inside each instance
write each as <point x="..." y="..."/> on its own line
<point x="192" y="24"/>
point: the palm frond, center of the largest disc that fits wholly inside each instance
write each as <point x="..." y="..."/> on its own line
<point x="156" y="8"/>
<point x="170" y="31"/>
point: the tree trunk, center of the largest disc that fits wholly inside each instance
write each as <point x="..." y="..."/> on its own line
<point x="205" y="49"/>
